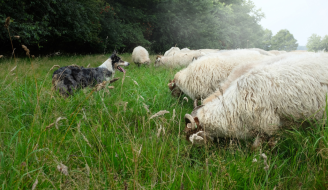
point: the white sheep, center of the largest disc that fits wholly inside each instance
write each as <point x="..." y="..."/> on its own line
<point x="140" y="56"/>
<point x="260" y="101"/>
<point x="203" y="77"/>
<point x="277" y="52"/>
<point x="177" y="59"/>
<point x="171" y="51"/>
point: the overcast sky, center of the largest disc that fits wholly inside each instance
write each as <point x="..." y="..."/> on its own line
<point x="301" y="17"/>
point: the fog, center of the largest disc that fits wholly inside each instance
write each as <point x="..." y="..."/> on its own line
<point x="301" y="17"/>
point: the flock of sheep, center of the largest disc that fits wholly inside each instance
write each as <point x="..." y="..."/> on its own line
<point x="245" y="93"/>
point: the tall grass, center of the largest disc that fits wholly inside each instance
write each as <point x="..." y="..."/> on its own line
<point x="108" y="141"/>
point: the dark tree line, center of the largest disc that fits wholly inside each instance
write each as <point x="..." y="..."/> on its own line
<point x="97" y="26"/>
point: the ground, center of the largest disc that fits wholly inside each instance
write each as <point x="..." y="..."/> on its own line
<point x="108" y="141"/>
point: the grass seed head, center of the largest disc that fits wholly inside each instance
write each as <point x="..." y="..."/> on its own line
<point x="162" y="112"/>
<point x="7" y="22"/>
<point x="26" y="50"/>
<point x="35" y="184"/>
<point x="63" y="169"/>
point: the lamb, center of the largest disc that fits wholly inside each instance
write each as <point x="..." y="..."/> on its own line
<point x="140" y="56"/>
<point x="203" y="77"/>
<point x="258" y="103"/>
<point x="178" y="59"/>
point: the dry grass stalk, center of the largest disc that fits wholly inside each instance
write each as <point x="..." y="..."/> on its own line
<point x="26" y="50"/>
<point x="100" y="86"/>
<point x="185" y="98"/>
<point x="35" y="184"/>
<point x="135" y="82"/>
<point x="49" y="126"/>
<point x="173" y="116"/>
<point x="7" y="22"/>
<point x="54" y="67"/>
<point x="88" y="169"/>
<point x="58" y="119"/>
<point x="146" y="107"/>
<point x="13" y="69"/>
<point x="160" y="130"/>
<point x="162" y="112"/>
<point x="142" y="97"/>
<point x="125" y="105"/>
<point x="17" y="37"/>
<point x="111" y="87"/>
<point x="63" y="169"/>
<point x="88" y="65"/>
<point x="79" y="127"/>
<point x="86" y="140"/>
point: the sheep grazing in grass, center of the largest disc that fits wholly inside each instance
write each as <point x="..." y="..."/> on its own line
<point x="172" y="51"/>
<point x="140" y="56"/>
<point x="203" y="77"/>
<point x="178" y="59"/>
<point x="263" y="100"/>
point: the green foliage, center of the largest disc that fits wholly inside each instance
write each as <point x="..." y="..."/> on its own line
<point x="284" y="40"/>
<point x="316" y="43"/>
<point x="266" y="40"/>
<point x="107" y="145"/>
<point x="103" y="25"/>
<point x="63" y="24"/>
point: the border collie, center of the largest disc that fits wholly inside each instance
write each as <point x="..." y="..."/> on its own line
<point x="70" y="78"/>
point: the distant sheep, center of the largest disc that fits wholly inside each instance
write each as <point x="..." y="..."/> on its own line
<point x="171" y="51"/>
<point x="277" y="52"/>
<point x="178" y="59"/>
<point x="259" y="103"/>
<point x="203" y="77"/>
<point x="140" y="56"/>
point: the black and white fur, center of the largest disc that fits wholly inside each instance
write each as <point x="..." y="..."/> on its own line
<point x="70" y="78"/>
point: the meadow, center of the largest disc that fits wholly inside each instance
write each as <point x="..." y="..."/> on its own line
<point x="108" y="139"/>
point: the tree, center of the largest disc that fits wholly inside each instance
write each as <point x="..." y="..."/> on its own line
<point x="324" y="43"/>
<point x="266" y="40"/>
<point x="284" y="40"/>
<point x="314" y="43"/>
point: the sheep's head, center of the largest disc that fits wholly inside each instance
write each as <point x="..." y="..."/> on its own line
<point x="175" y="90"/>
<point x="194" y="131"/>
<point x="158" y="60"/>
<point x="197" y="57"/>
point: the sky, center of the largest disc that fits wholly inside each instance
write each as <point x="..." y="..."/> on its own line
<point x="301" y="17"/>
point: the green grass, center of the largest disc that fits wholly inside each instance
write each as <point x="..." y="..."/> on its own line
<point x="107" y="146"/>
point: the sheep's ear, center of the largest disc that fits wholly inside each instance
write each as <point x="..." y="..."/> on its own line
<point x="196" y="121"/>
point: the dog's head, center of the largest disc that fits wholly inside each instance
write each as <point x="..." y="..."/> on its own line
<point x="117" y="62"/>
<point x="175" y="90"/>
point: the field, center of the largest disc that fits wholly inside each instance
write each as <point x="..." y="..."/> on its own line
<point x="108" y="141"/>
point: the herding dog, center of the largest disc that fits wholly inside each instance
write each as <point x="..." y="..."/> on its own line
<point x="70" y="78"/>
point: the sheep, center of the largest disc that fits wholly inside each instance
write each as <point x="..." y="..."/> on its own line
<point x="258" y="103"/>
<point x="171" y="51"/>
<point x="239" y="71"/>
<point x="203" y="77"/>
<point x="277" y="52"/>
<point x="178" y="59"/>
<point x="140" y="56"/>
<point x="261" y="51"/>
